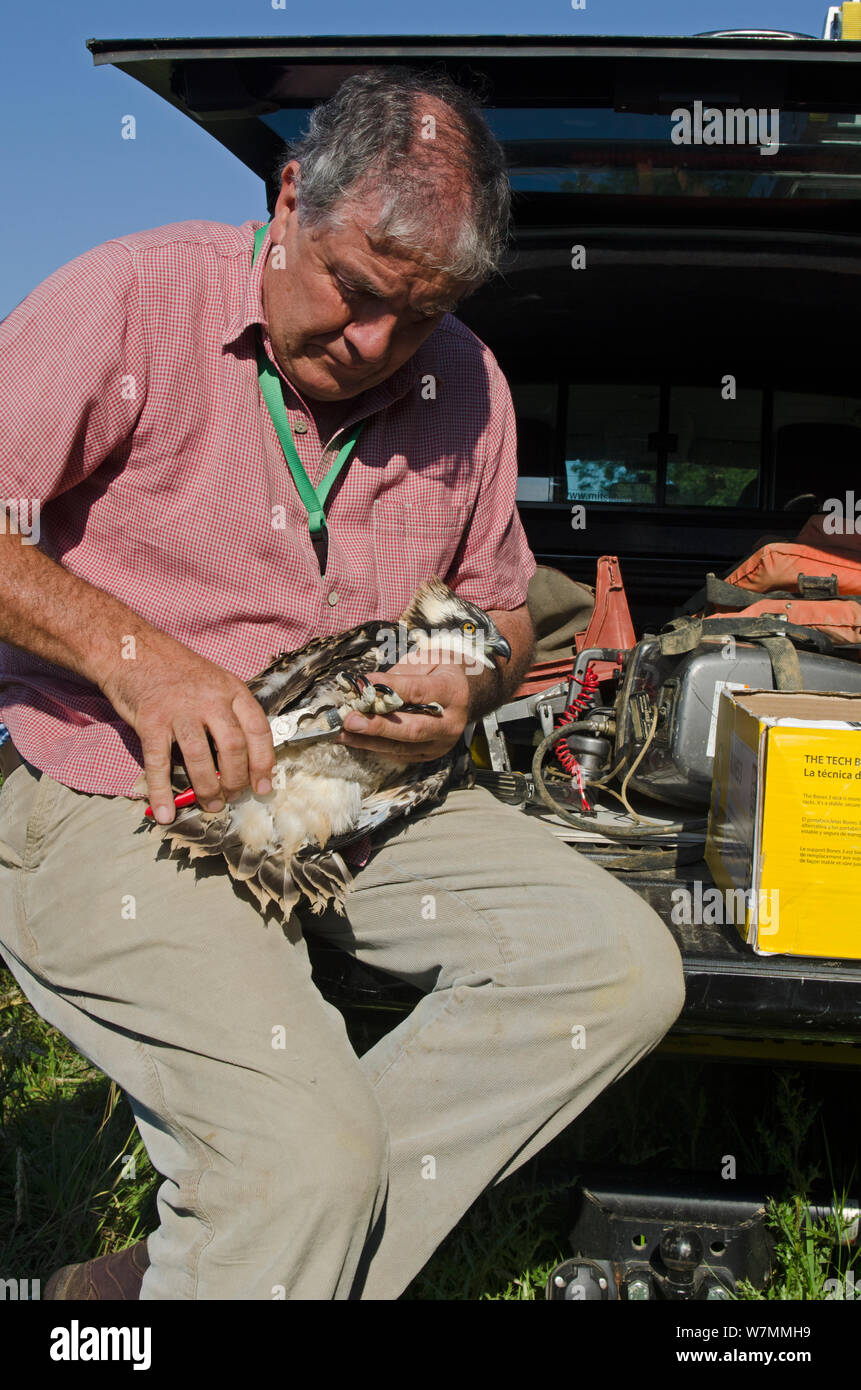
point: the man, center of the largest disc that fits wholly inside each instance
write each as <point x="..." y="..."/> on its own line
<point x="175" y="558"/>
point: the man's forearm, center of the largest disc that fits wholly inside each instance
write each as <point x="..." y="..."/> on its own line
<point x="55" y="615"/>
<point x="165" y="691"/>
<point x="490" y="689"/>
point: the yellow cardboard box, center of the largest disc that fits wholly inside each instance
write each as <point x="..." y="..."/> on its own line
<point x="784" y="836"/>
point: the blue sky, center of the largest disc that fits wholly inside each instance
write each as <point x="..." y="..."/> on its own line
<point x="69" y="179"/>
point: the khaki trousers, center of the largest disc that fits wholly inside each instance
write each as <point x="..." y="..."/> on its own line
<point x="291" y="1167"/>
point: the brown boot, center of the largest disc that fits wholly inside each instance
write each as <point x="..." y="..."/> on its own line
<point x="110" y="1277"/>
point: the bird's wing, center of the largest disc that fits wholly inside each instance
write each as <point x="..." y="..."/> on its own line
<point x="289" y="678"/>
<point x="418" y="785"/>
<point x="322" y="876"/>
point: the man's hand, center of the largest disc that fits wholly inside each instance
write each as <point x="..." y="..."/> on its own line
<point x="169" y="693"/>
<point x="414" y="737"/>
<point x="423" y="737"/>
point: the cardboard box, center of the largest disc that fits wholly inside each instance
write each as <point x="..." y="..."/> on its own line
<point x="784" y="836"/>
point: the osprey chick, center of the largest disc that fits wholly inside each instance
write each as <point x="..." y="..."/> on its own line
<point x="325" y="795"/>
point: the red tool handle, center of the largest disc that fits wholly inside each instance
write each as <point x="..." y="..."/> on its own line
<point x="184" y="799"/>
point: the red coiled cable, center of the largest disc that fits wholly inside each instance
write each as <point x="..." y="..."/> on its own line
<point x="583" y="701"/>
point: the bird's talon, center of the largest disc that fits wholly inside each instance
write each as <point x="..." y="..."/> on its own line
<point x="386" y="700"/>
<point x="352" y="681"/>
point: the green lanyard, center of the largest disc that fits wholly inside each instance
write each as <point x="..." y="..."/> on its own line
<point x="270" y="387"/>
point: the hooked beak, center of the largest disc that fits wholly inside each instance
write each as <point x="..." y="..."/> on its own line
<point x="500" y="647"/>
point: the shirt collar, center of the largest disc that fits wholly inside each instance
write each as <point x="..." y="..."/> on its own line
<point x="250" y="314"/>
<point x="250" y="309"/>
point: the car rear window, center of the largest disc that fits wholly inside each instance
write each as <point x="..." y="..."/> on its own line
<point x="762" y="152"/>
<point x="642" y="444"/>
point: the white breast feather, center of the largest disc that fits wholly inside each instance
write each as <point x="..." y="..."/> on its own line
<point x="317" y="795"/>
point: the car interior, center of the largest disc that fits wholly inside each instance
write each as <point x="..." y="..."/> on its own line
<point x="688" y="412"/>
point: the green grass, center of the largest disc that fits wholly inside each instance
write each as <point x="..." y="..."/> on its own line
<point x="805" y="1257"/>
<point x="66" y="1136"/>
<point x="67" y="1192"/>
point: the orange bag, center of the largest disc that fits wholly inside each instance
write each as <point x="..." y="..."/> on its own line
<point x="811" y="582"/>
<point x="839" y="619"/>
<point x="779" y="564"/>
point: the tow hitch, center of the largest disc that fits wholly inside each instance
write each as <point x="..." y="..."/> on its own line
<point x="675" y="1236"/>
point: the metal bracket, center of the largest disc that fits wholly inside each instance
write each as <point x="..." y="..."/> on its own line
<point x="499" y="759"/>
<point x="544" y="710"/>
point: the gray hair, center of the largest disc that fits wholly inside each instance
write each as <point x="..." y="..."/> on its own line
<point x="373" y="132"/>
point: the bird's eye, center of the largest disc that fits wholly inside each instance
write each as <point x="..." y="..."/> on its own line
<point x="469" y="627"/>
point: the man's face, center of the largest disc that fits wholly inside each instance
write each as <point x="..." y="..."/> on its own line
<point x="345" y="311"/>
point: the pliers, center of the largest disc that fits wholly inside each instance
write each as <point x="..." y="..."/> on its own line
<point x="285" y="729"/>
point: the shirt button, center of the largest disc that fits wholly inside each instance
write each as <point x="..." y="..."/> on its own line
<point x="300" y="427"/>
<point x="332" y="598"/>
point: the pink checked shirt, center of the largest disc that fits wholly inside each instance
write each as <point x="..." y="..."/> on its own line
<point x="131" y="414"/>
